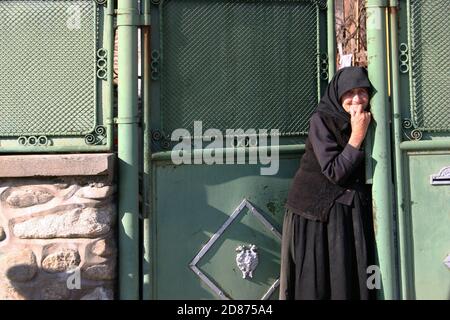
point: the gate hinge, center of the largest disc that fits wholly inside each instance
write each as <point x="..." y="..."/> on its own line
<point x="132" y="17"/>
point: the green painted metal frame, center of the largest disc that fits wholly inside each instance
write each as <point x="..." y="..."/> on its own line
<point x="75" y="143"/>
<point x="382" y="184"/>
<point x="431" y="145"/>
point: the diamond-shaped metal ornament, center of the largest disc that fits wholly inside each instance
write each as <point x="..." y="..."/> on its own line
<point x="193" y="264"/>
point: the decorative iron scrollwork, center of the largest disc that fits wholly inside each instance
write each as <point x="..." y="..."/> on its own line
<point x="42" y="140"/>
<point x="409" y="132"/>
<point x="244" y="142"/>
<point x="161" y="138"/>
<point x="404" y="58"/>
<point x="33" y="141"/>
<point x="407" y="124"/>
<point x="165" y="144"/>
<point x="100" y="131"/>
<point x="89" y="139"/>
<point x="155" y="65"/>
<point x="323" y="66"/>
<point x="247" y="260"/>
<point x="156" y="135"/>
<point x="102" y="65"/>
<point x="97" y="137"/>
<point x="416" y="134"/>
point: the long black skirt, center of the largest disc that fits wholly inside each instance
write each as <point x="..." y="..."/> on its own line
<point x="328" y="261"/>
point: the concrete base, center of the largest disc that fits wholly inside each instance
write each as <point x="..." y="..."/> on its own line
<point x="56" y="165"/>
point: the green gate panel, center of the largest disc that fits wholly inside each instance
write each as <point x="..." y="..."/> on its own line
<point x="424" y="95"/>
<point x="430" y="225"/>
<point x="237" y="64"/>
<point x="54" y="76"/>
<point x="196" y="214"/>
<point x="424" y="57"/>
<point x="232" y="65"/>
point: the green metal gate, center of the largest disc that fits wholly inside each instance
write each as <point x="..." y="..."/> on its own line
<point x="420" y="42"/>
<point x="56" y="73"/>
<point x="249" y="65"/>
<point x="410" y="183"/>
<point x="231" y="65"/>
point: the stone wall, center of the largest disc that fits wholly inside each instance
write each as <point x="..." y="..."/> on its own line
<point x="57" y="234"/>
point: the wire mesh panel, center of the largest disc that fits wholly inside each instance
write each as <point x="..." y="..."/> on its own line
<point x="430" y="67"/>
<point x="49" y="80"/>
<point x="239" y="64"/>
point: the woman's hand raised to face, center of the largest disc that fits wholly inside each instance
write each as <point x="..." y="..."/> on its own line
<point x="355" y="101"/>
<point x="360" y="121"/>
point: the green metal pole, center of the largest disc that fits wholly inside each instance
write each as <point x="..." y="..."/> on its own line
<point x="146" y="262"/>
<point x="331" y="39"/>
<point x="127" y="20"/>
<point x="108" y="87"/>
<point x="382" y="182"/>
<point x="406" y="280"/>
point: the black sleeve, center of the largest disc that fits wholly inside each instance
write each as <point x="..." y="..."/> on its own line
<point x="337" y="164"/>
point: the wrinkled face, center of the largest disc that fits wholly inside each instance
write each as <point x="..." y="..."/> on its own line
<point x="355" y="97"/>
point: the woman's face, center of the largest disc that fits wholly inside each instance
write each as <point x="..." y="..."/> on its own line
<point x="355" y="97"/>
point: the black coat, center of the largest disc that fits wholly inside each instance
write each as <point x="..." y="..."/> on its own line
<point x="330" y="170"/>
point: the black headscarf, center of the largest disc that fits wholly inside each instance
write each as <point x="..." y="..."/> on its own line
<point x="344" y="80"/>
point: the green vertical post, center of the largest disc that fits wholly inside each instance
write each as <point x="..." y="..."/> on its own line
<point x="382" y="188"/>
<point x="406" y="281"/>
<point x="127" y="20"/>
<point x="108" y="86"/>
<point x="146" y="78"/>
<point x="331" y="39"/>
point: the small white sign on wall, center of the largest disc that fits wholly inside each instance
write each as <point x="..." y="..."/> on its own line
<point x="346" y="60"/>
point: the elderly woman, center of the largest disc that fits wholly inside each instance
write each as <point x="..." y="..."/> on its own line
<point x="328" y="239"/>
